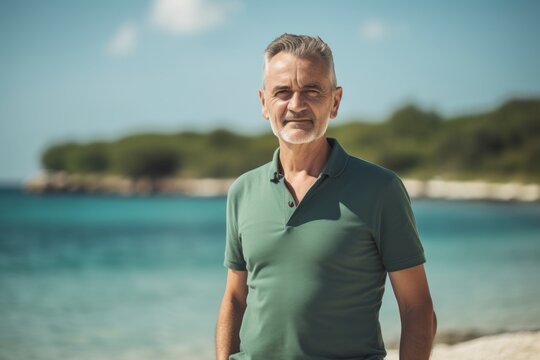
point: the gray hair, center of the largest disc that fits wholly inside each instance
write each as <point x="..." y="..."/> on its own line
<point x="302" y="46"/>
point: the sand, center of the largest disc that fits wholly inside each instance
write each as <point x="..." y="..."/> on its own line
<point x="516" y="346"/>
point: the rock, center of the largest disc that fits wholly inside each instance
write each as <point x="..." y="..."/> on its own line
<point x="434" y="189"/>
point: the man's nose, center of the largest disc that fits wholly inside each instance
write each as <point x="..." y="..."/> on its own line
<point x="296" y="102"/>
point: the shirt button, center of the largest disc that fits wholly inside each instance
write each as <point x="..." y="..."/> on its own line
<point x="291" y="203"/>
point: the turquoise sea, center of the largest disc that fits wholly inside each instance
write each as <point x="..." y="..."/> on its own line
<point x="111" y="277"/>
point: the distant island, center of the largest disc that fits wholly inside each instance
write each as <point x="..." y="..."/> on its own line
<point x="500" y="146"/>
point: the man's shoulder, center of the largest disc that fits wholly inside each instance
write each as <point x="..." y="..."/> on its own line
<point x="251" y="179"/>
<point x="358" y="168"/>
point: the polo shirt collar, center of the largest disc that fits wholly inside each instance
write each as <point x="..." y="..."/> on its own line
<point x="337" y="160"/>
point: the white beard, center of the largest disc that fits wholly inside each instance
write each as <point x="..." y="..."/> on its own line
<point x="298" y="136"/>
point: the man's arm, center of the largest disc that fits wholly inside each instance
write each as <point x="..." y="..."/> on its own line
<point x="418" y="320"/>
<point x="230" y="315"/>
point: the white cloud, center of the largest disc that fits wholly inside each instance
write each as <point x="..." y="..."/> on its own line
<point x="374" y="31"/>
<point x="124" y="41"/>
<point x="185" y="17"/>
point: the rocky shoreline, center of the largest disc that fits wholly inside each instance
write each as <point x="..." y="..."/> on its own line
<point x="472" y="190"/>
<point x="60" y="182"/>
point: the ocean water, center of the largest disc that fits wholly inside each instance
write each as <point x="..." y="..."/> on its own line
<point x="111" y="277"/>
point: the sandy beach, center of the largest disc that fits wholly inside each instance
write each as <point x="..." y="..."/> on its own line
<point x="523" y="345"/>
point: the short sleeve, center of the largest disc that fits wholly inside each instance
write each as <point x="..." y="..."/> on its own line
<point x="234" y="258"/>
<point x="397" y="235"/>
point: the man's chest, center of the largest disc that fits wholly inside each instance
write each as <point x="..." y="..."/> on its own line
<point x="322" y="232"/>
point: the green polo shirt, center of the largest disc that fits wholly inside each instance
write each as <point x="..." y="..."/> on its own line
<point x="316" y="270"/>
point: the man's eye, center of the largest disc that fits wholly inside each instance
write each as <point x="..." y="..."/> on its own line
<point x="283" y="94"/>
<point x="312" y="93"/>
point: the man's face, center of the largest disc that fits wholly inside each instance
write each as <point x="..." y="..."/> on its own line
<point x="298" y="97"/>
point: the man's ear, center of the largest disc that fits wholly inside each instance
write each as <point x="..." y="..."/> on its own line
<point x="263" y="104"/>
<point x="338" y="93"/>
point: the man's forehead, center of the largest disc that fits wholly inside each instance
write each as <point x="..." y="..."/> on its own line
<point x="285" y="67"/>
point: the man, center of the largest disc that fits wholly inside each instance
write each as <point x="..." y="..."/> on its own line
<point x="312" y="234"/>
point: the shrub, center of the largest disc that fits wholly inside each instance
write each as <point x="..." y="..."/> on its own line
<point x="143" y="159"/>
<point x="55" y="157"/>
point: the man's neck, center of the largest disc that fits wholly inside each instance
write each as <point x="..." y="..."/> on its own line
<point x="303" y="159"/>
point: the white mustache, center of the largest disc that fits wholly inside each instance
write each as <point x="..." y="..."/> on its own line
<point x="302" y="116"/>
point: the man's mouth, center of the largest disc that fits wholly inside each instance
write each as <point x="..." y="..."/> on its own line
<point x="297" y="120"/>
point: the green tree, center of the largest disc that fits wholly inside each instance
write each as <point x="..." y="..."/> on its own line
<point x="145" y="159"/>
<point x="90" y="158"/>
<point x="55" y="157"/>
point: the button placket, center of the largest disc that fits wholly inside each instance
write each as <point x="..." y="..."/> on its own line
<point x="286" y="202"/>
<point x="308" y="194"/>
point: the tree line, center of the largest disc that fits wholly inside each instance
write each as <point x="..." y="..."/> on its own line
<point x="503" y="144"/>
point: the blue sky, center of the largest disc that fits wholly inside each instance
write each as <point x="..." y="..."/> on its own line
<point x="102" y="69"/>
